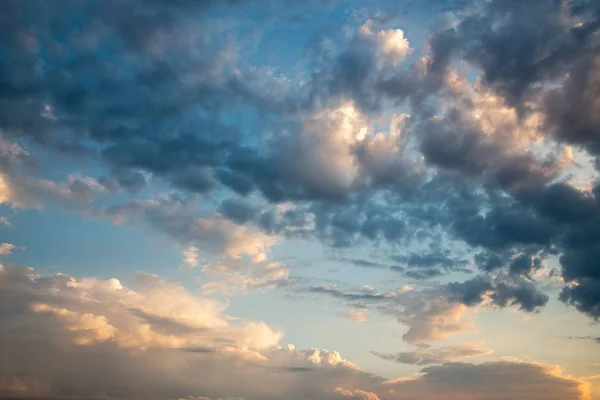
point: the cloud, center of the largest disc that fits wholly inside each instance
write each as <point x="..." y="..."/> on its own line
<point x="498" y="380"/>
<point x="436" y="356"/>
<point x="6" y="249"/>
<point x="237" y="210"/>
<point x="392" y="44"/>
<point x="357" y="394"/>
<point x="467" y="141"/>
<point x="108" y="312"/>
<point x="583" y="294"/>
<point x="216" y="235"/>
<point x="433" y="320"/>
<point x="190" y="257"/>
<point x="88" y="328"/>
<point x="595" y="339"/>
<point x="500" y="291"/>
<point x="86" y="338"/>
<point x="358" y="314"/>
<point x="230" y="279"/>
<point x="103" y="337"/>
<point x="434" y="314"/>
<point x="427" y="315"/>
<point x="481" y="160"/>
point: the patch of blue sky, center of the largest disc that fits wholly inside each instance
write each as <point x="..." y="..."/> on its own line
<point x="64" y="242"/>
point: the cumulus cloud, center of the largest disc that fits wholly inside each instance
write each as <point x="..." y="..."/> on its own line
<point x="357" y="394"/>
<point x="391" y="43"/>
<point x="86" y="338"/>
<point x="104" y="337"/>
<point x="108" y="312"/>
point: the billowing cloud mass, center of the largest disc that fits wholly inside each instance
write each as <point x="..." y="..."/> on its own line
<point x="429" y="170"/>
<point x="94" y="339"/>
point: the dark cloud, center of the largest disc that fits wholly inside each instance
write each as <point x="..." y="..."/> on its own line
<point x="423" y="266"/>
<point x="363" y="263"/>
<point x="595" y="339"/>
<point x="584" y="296"/>
<point x="237" y="210"/>
<point x="502" y="291"/>
<point x="424" y="273"/>
<point x="515" y="55"/>
<point x="349" y="296"/>
<point x="521" y="48"/>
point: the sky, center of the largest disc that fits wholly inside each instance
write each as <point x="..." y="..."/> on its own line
<point x="285" y="200"/>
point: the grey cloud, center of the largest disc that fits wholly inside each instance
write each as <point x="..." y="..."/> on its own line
<point x="447" y="382"/>
<point x="164" y="325"/>
<point x="424" y="273"/>
<point x="503" y="291"/>
<point x="423" y="266"/>
<point x="349" y="296"/>
<point x="584" y="296"/>
<point x="362" y="263"/>
<point x="435" y="356"/>
<point x="437" y="313"/>
<point x="237" y="210"/>
<point x="595" y="339"/>
<point x="517" y="54"/>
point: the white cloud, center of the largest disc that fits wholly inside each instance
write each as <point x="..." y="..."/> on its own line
<point x="321" y="155"/>
<point x="88" y="328"/>
<point x="357" y="394"/>
<point x="159" y="314"/>
<point x="358" y="314"/>
<point x="392" y="44"/>
<point x="6" y="249"/>
<point x="190" y="257"/>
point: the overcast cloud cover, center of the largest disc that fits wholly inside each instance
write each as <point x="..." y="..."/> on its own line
<point x="320" y="199"/>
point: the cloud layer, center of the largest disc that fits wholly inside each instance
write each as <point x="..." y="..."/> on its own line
<point x="96" y="339"/>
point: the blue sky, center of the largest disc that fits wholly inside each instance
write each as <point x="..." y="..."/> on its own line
<point x="323" y="199"/>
